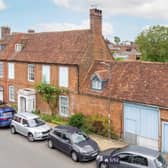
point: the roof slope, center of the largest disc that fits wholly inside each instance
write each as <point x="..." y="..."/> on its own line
<point x="133" y="81"/>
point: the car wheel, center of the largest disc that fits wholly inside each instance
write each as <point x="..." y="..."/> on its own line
<point x="30" y="137"/>
<point x="103" y="165"/>
<point x="13" y="130"/>
<point x="74" y="156"/>
<point x="50" y="144"/>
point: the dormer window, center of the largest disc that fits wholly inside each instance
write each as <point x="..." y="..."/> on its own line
<point x="96" y="83"/>
<point x="18" y="47"/>
<point x="98" y="79"/>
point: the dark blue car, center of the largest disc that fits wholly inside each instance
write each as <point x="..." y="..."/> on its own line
<point x="6" y="115"/>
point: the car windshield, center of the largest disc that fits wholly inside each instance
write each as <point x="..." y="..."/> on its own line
<point x="160" y="161"/>
<point x="36" y="122"/>
<point x="78" y="137"/>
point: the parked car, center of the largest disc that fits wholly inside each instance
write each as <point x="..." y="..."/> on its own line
<point x="30" y="125"/>
<point x="6" y="115"/>
<point x="73" y="142"/>
<point x="131" y="157"/>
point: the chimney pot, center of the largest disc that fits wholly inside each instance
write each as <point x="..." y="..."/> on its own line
<point x="31" y="31"/>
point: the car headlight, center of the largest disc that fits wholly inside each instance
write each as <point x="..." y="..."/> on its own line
<point x="99" y="157"/>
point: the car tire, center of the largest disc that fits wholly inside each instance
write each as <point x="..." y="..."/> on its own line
<point x="74" y="156"/>
<point x="13" y="130"/>
<point x="103" y="165"/>
<point x="30" y="137"/>
<point x="50" y="144"/>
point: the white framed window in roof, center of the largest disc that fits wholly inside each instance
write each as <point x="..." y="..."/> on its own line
<point x="31" y="72"/>
<point x="46" y="74"/>
<point x="1" y="69"/>
<point x="63" y="76"/>
<point x="18" y="47"/>
<point x="11" y="91"/>
<point x="96" y="83"/>
<point x="11" y="70"/>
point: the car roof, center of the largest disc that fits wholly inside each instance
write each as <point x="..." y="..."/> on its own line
<point x="139" y="150"/>
<point x="67" y="129"/>
<point x="6" y="108"/>
<point x="27" y="115"/>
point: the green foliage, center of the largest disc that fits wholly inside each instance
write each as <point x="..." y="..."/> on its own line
<point x="117" y="39"/>
<point x="56" y="119"/>
<point x="50" y="94"/>
<point x="153" y="44"/>
<point x="97" y="124"/>
<point x="119" y="59"/>
<point x="77" y="120"/>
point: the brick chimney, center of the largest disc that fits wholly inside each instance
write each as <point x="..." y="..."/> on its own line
<point x="31" y="31"/>
<point x="5" y="31"/>
<point x="96" y="21"/>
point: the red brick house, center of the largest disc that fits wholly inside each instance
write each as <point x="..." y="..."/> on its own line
<point x="59" y="58"/>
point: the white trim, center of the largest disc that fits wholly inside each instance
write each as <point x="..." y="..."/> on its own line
<point x="63" y="76"/>
<point x="1" y="69"/>
<point x="46" y="73"/>
<point x="11" y="93"/>
<point x="31" y="71"/>
<point x="11" y="70"/>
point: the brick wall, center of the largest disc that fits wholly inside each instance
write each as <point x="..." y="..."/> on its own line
<point x="92" y="105"/>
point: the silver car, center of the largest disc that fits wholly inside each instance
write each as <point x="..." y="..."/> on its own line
<point x="30" y="125"/>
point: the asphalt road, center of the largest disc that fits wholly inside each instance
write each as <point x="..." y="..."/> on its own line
<point x="17" y="152"/>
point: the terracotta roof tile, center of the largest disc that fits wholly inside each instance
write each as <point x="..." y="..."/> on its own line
<point x="133" y="81"/>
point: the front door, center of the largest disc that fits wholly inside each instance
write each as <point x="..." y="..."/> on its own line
<point x="165" y="137"/>
<point x="23" y="104"/>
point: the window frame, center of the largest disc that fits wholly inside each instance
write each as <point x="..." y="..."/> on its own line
<point x="64" y="76"/>
<point x="1" y="69"/>
<point x="96" y="83"/>
<point x="18" y="47"/>
<point x="11" y="95"/>
<point x="44" y="67"/>
<point x="31" y="72"/>
<point x="11" y="70"/>
<point x="64" y="106"/>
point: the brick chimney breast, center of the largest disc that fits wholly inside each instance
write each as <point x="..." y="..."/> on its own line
<point x="5" y="31"/>
<point x="96" y="21"/>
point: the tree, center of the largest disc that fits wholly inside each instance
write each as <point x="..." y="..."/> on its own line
<point x="50" y="95"/>
<point x="153" y="44"/>
<point x="117" y="40"/>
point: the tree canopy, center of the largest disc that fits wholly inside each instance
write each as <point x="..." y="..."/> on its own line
<point x="153" y="44"/>
<point x="117" y="39"/>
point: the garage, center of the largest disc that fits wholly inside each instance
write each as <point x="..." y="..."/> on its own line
<point x="141" y="125"/>
<point x="165" y="137"/>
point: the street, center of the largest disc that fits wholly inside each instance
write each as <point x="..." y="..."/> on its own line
<point x="17" y="152"/>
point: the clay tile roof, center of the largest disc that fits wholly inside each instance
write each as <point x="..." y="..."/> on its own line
<point x="133" y="81"/>
<point x="102" y="74"/>
<point x="53" y="47"/>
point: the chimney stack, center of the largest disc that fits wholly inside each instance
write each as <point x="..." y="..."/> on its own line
<point x="5" y="31"/>
<point x="96" y="21"/>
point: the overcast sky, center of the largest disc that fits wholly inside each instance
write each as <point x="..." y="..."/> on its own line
<point x="123" y="18"/>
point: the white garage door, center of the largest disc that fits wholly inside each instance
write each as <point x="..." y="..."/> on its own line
<point x="141" y="125"/>
<point x="165" y="137"/>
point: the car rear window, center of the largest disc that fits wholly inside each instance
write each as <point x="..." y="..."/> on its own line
<point x="160" y="161"/>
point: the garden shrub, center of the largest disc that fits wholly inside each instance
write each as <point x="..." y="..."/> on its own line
<point x="77" y="120"/>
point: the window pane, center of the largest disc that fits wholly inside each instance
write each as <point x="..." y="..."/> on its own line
<point x="46" y="73"/>
<point x="139" y="160"/>
<point x="11" y="94"/>
<point x="96" y="84"/>
<point x="11" y="70"/>
<point x="31" y="72"/>
<point x="63" y="106"/>
<point x="63" y="76"/>
<point x="1" y="69"/>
